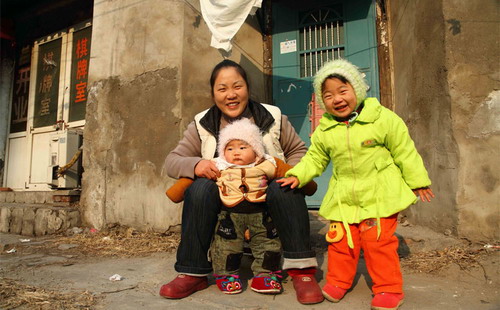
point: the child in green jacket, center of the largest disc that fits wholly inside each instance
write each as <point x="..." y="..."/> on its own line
<point x="377" y="172"/>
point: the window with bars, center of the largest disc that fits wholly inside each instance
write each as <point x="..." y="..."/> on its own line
<point x="321" y="39"/>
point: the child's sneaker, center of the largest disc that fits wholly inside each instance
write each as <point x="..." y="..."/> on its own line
<point x="333" y="293"/>
<point x="228" y="284"/>
<point x="387" y="301"/>
<point x="267" y="283"/>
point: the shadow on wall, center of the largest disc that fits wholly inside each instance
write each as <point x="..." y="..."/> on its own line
<point x="257" y="81"/>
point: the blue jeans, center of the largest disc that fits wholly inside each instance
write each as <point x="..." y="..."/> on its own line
<point x="202" y="204"/>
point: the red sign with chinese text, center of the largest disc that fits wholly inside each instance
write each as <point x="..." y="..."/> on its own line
<point x="79" y="73"/>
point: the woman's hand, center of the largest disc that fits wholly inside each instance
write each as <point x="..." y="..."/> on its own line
<point x="292" y="181"/>
<point x="206" y="169"/>
<point x="424" y="193"/>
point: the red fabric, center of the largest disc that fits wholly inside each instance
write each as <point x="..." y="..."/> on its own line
<point x="229" y="284"/>
<point x="381" y="257"/>
<point x="305" y="271"/>
<point x="266" y="284"/>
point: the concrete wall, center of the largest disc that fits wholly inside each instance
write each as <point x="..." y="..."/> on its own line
<point x="445" y="56"/>
<point x="149" y="72"/>
<point x="472" y="58"/>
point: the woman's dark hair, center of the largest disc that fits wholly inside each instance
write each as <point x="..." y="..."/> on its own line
<point x="226" y="63"/>
<point x="335" y="76"/>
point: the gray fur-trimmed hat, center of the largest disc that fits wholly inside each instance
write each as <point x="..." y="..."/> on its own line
<point x="346" y="69"/>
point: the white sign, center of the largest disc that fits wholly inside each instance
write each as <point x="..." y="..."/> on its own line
<point x="288" y="46"/>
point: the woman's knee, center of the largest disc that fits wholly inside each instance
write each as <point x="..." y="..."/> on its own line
<point x="202" y="196"/>
<point x="202" y="187"/>
<point x="276" y="191"/>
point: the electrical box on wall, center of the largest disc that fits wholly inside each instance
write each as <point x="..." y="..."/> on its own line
<point x="63" y="146"/>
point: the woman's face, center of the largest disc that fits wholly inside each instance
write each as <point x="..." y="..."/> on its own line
<point x="339" y="97"/>
<point x="230" y="92"/>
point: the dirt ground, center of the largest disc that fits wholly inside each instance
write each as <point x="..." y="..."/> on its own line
<point x="73" y="272"/>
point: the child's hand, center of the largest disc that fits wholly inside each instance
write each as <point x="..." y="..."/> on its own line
<point x="424" y="193"/>
<point x="292" y="181"/>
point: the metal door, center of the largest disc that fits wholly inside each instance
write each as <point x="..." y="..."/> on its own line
<point x="305" y="35"/>
<point x="56" y="110"/>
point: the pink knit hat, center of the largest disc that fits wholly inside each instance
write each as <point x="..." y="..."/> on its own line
<point x="242" y="129"/>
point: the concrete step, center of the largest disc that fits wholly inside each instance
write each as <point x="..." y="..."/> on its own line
<point x="62" y="197"/>
<point x="37" y="219"/>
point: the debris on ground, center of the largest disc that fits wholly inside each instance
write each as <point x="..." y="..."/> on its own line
<point x="115" y="277"/>
<point x="118" y="240"/>
<point x="14" y="295"/>
<point x="74" y="231"/>
<point x="435" y="261"/>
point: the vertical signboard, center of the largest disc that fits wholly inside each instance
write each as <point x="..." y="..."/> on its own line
<point x="47" y="87"/>
<point x="79" y="73"/>
<point x="19" y="114"/>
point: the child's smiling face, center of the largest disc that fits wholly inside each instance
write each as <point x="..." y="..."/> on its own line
<point x="239" y="152"/>
<point x="339" y="97"/>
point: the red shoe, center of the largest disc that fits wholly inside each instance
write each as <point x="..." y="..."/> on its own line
<point x="183" y="286"/>
<point x="387" y="301"/>
<point x="306" y="286"/>
<point x="267" y="283"/>
<point x="333" y="293"/>
<point x="228" y="284"/>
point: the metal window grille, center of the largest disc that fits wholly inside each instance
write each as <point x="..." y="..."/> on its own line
<point x="321" y="39"/>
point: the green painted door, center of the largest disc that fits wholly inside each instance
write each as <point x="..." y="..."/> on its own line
<point x="305" y="35"/>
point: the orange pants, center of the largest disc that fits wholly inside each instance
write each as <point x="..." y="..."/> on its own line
<point x="381" y="257"/>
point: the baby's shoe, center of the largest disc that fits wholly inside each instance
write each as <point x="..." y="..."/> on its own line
<point x="387" y="301"/>
<point x="228" y="284"/>
<point x="267" y="283"/>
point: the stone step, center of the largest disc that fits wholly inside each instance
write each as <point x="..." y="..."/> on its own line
<point x="37" y="219"/>
<point x="60" y="197"/>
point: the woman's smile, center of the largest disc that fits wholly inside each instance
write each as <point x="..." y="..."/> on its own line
<point x="230" y="92"/>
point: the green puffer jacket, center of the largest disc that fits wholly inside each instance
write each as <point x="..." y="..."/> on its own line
<point x="375" y="165"/>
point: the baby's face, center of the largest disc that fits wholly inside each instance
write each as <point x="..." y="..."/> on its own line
<point x="339" y="97"/>
<point x="238" y="152"/>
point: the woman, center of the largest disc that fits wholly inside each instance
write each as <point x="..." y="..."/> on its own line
<point x="202" y="204"/>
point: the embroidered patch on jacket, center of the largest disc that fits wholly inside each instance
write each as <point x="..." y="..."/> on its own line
<point x="369" y="143"/>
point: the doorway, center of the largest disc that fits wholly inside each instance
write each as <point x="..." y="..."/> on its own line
<point x="305" y="35"/>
